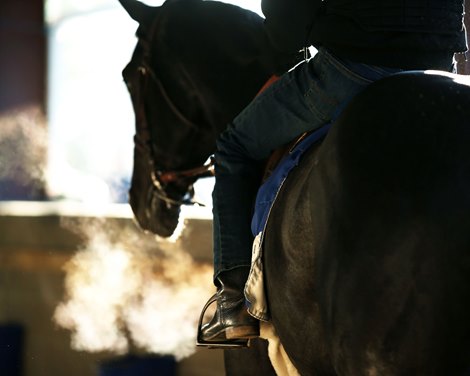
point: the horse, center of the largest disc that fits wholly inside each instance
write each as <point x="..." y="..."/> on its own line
<point x="367" y="248"/>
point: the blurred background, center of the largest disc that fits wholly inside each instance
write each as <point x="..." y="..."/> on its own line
<point x="83" y="291"/>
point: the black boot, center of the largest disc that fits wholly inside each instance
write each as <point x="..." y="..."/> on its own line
<point x="231" y="320"/>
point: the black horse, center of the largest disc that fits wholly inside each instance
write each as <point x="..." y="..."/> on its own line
<point x="367" y="250"/>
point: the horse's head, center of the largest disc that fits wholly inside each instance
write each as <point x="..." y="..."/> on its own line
<point x="195" y="66"/>
<point x="165" y="162"/>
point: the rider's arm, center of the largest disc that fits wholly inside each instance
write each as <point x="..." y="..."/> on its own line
<point x="288" y="22"/>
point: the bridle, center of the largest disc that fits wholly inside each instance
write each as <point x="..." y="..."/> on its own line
<point x="162" y="178"/>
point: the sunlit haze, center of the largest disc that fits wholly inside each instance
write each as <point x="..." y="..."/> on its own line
<point x="91" y="121"/>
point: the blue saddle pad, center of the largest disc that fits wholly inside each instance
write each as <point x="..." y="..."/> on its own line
<point x="269" y="189"/>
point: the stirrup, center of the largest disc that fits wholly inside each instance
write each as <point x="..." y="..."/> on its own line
<point x="228" y="344"/>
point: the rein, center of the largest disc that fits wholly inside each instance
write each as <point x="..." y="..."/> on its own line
<point x="161" y="178"/>
<point x="145" y="69"/>
<point x="203" y="171"/>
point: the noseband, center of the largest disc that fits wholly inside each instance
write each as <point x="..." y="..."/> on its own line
<point x="162" y="178"/>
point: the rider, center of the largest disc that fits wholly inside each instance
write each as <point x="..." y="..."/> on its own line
<point x="358" y="42"/>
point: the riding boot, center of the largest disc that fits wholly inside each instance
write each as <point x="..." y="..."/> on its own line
<point x="231" y="320"/>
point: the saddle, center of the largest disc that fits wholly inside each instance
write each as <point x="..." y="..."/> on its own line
<point x="277" y="169"/>
<point x="267" y="194"/>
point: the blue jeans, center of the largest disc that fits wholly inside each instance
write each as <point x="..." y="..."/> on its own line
<point x="301" y="100"/>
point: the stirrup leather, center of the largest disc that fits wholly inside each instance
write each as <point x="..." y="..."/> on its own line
<point x="228" y="344"/>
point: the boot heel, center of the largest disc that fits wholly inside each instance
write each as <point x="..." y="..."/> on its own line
<point x="242" y="332"/>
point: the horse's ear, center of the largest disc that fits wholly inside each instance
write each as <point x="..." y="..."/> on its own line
<point x="137" y="10"/>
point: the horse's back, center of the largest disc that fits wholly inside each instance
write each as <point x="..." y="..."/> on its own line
<point x="386" y="261"/>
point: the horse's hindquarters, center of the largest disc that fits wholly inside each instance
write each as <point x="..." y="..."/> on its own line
<point x="385" y="287"/>
<point x="399" y="287"/>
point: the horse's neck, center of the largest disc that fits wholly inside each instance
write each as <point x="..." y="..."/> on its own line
<point x="224" y="65"/>
<point x="227" y="58"/>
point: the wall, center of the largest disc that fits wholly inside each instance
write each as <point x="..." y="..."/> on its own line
<point x="22" y="90"/>
<point x="22" y="54"/>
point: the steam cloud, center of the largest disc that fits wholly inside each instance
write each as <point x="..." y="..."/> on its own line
<point x="122" y="295"/>
<point x="23" y="142"/>
<point x="124" y="291"/>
